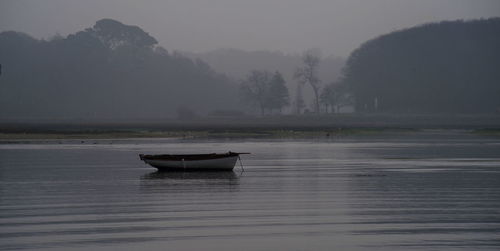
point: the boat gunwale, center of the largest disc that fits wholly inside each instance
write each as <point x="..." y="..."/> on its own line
<point x="188" y="157"/>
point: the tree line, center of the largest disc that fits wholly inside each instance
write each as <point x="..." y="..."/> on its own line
<point x="113" y="70"/>
<point x="446" y="67"/>
<point x="107" y="71"/>
<point x="268" y="91"/>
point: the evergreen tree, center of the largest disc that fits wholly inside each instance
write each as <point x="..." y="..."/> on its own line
<point x="264" y="90"/>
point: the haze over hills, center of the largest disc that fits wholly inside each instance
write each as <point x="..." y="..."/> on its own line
<point x="117" y="71"/>
<point x="108" y="71"/>
<point x="237" y="63"/>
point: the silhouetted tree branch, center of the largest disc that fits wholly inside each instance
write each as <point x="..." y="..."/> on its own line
<point x="308" y="74"/>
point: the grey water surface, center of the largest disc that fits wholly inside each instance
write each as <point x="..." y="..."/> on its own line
<point x="427" y="191"/>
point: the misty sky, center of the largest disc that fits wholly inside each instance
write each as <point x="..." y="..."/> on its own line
<point x="335" y="26"/>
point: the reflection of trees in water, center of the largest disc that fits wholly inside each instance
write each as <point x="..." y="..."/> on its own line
<point x="190" y="180"/>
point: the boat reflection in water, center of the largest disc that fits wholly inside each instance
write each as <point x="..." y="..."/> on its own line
<point x="186" y="181"/>
<point x="162" y="175"/>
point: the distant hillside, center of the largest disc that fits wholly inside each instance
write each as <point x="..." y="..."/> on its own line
<point x="238" y="63"/>
<point x="447" y="67"/>
<point x="110" y="70"/>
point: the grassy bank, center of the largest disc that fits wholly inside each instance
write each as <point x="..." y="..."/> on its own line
<point x="103" y="134"/>
<point x="488" y="132"/>
<point x="284" y="126"/>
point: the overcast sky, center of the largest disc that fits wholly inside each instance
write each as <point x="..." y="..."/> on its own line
<point x="335" y="26"/>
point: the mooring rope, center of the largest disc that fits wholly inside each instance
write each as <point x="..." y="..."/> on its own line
<point x="241" y="164"/>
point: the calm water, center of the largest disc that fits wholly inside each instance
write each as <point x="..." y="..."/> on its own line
<point x="428" y="191"/>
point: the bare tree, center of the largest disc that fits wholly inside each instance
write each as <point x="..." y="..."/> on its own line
<point x="299" y="103"/>
<point x="308" y="74"/>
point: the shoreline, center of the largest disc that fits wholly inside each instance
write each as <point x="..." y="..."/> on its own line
<point x="180" y="134"/>
<point x="279" y="126"/>
<point x="16" y="137"/>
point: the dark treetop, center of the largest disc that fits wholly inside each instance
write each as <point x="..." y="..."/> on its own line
<point x="447" y="67"/>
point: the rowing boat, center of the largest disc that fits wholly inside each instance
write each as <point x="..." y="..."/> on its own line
<point x="192" y="162"/>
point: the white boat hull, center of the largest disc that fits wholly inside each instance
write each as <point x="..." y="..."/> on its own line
<point x="222" y="164"/>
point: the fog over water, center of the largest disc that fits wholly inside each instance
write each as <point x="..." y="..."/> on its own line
<point x="336" y="26"/>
